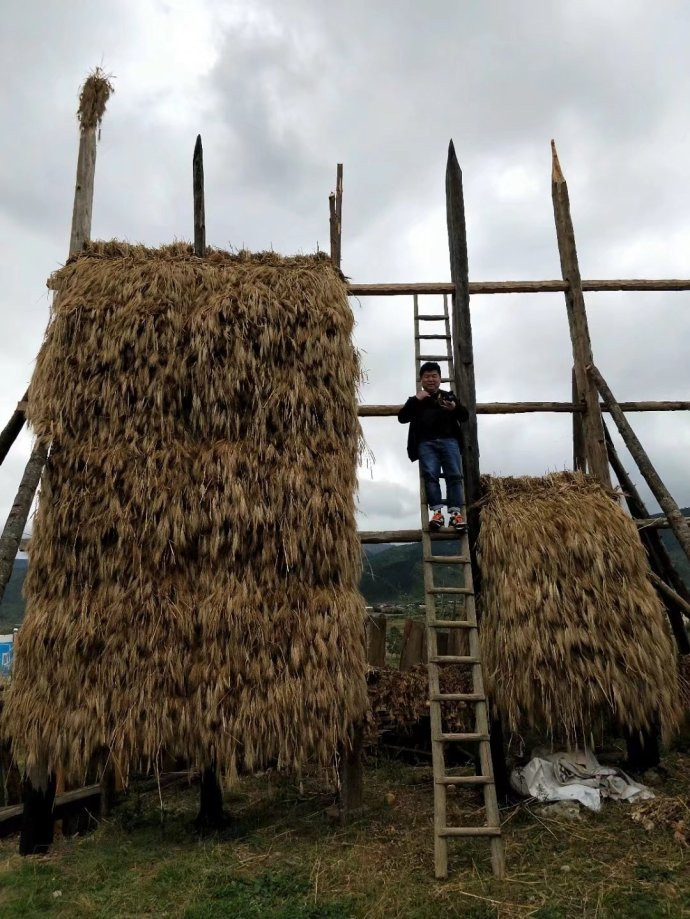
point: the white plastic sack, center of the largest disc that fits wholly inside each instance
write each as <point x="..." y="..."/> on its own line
<point x="575" y="775"/>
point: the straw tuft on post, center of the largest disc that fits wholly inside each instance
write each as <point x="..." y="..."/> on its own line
<point x="93" y="98"/>
<point x="194" y="571"/>
<point x="573" y="634"/>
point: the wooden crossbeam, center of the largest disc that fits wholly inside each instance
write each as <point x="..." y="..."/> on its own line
<point x="517" y="287"/>
<point x="520" y="408"/>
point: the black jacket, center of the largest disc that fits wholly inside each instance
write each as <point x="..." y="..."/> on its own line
<point x="428" y="420"/>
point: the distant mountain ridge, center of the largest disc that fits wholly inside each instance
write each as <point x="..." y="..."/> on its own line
<point x="390" y="574"/>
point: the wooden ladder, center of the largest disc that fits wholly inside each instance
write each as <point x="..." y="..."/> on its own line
<point x="440" y="739"/>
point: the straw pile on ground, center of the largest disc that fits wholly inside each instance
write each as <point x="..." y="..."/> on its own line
<point x="399" y="700"/>
<point x="194" y="565"/>
<point x="574" y="636"/>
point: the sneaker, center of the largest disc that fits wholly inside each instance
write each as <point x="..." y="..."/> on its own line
<point x="457" y="521"/>
<point x="436" y="521"/>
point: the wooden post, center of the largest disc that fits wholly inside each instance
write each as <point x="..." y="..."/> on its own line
<point x="351" y="775"/>
<point x="463" y="357"/>
<point x="335" y="206"/>
<point x="659" y="559"/>
<point x="678" y="523"/>
<point x="211" y="816"/>
<point x="592" y="426"/>
<point x="199" y="203"/>
<point x="16" y="521"/>
<point x="579" y="452"/>
<point x="39" y="791"/>
<point x="465" y="390"/>
<point x="376" y="640"/>
<point x="37" y="819"/>
<point x="93" y="99"/>
<point x="83" y="191"/>
<point x="10" y="432"/>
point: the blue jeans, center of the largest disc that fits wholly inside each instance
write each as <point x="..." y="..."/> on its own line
<point x="435" y="455"/>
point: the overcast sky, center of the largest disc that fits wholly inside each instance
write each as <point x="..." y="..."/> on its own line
<point x="282" y="90"/>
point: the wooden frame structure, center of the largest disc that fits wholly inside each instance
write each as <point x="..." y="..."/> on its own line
<point x="592" y="447"/>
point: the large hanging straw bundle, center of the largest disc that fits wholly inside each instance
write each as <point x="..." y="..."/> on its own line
<point x="195" y="561"/>
<point x="573" y="633"/>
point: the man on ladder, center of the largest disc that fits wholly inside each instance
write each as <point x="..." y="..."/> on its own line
<point x="434" y="416"/>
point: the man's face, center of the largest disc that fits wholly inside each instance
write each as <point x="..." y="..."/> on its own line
<point x="431" y="380"/>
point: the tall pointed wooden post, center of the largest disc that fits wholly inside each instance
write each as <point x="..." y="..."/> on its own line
<point x="92" y="101"/>
<point x="211" y="815"/>
<point x="463" y="356"/>
<point x="199" y="199"/>
<point x="335" y="205"/>
<point x="40" y="785"/>
<point x="465" y="390"/>
<point x="592" y="424"/>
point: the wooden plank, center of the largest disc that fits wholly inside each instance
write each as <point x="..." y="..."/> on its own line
<point x="458" y="697"/>
<point x="517" y="287"/>
<point x="592" y="425"/>
<point x="469" y="831"/>
<point x="464" y="591"/>
<point x="521" y="408"/>
<point x="414" y="643"/>
<point x="199" y="200"/>
<point x="677" y="521"/>
<point x="466" y="780"/>
<point x="463" y="737"/>
<point x="376" y="640"/>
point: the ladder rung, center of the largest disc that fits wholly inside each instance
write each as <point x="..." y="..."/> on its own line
<point x="434" y="357"/>
<point x="433" y="316"/>
<point x="467" y="591"/>
<point x="465" y="780"/>
<point x="440" y="337"/>
<point x="444" y="530"/>
<point x="462" y="738"/>
<point x="446" y="380"/>
<point x="447" y="559"/>
<point x="451" y="624"/>
<point x="453" y="659"/>
<point x="458" y="697"/>
<point x="470" y="831"/>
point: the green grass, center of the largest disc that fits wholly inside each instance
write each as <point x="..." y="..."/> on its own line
<point x="281" y="859"/>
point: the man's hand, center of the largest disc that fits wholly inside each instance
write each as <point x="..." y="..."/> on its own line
<point x="449" y="406"/>
<point x="422" y="394"/>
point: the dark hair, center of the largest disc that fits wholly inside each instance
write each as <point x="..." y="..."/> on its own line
<point x="430" y="365"/>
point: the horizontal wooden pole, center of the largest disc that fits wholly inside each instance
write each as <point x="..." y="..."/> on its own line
<point x="517" y="287"/>
<point x="655" y="523"/>
<point x="63" y="800"/>
<point x="385" y="536"/>
<point x="520" y="408"/>
<point x="663" y="588"/>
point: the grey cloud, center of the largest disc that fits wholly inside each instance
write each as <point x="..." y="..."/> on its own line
<point x="382" y="88"/>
